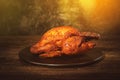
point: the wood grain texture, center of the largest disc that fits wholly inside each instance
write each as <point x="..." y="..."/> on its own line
<point x="11" y="67"/>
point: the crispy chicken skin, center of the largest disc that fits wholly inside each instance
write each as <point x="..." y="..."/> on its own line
<point x="65" y="40"/>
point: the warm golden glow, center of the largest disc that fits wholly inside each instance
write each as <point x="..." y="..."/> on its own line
<point x="77" y="12"/>
<point x="83" y="6"/>
<point x="88" y="5"/>
<point x="99" y="15"/>
<point x="33" y="16"/>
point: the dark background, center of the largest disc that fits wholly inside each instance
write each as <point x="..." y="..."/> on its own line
<point x="34" y="17"/>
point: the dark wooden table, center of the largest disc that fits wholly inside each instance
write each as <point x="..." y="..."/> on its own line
<point x="12" y="68"/>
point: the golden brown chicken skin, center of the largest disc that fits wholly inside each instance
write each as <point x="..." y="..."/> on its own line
<point x="65" y="40"/>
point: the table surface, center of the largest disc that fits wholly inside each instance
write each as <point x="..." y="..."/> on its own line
<point x="11" y="67"/>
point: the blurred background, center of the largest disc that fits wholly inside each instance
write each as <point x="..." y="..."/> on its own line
<point x="34" y="17"/>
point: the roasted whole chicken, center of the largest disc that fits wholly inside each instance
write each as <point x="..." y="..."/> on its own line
<point x="64" y="40"/>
